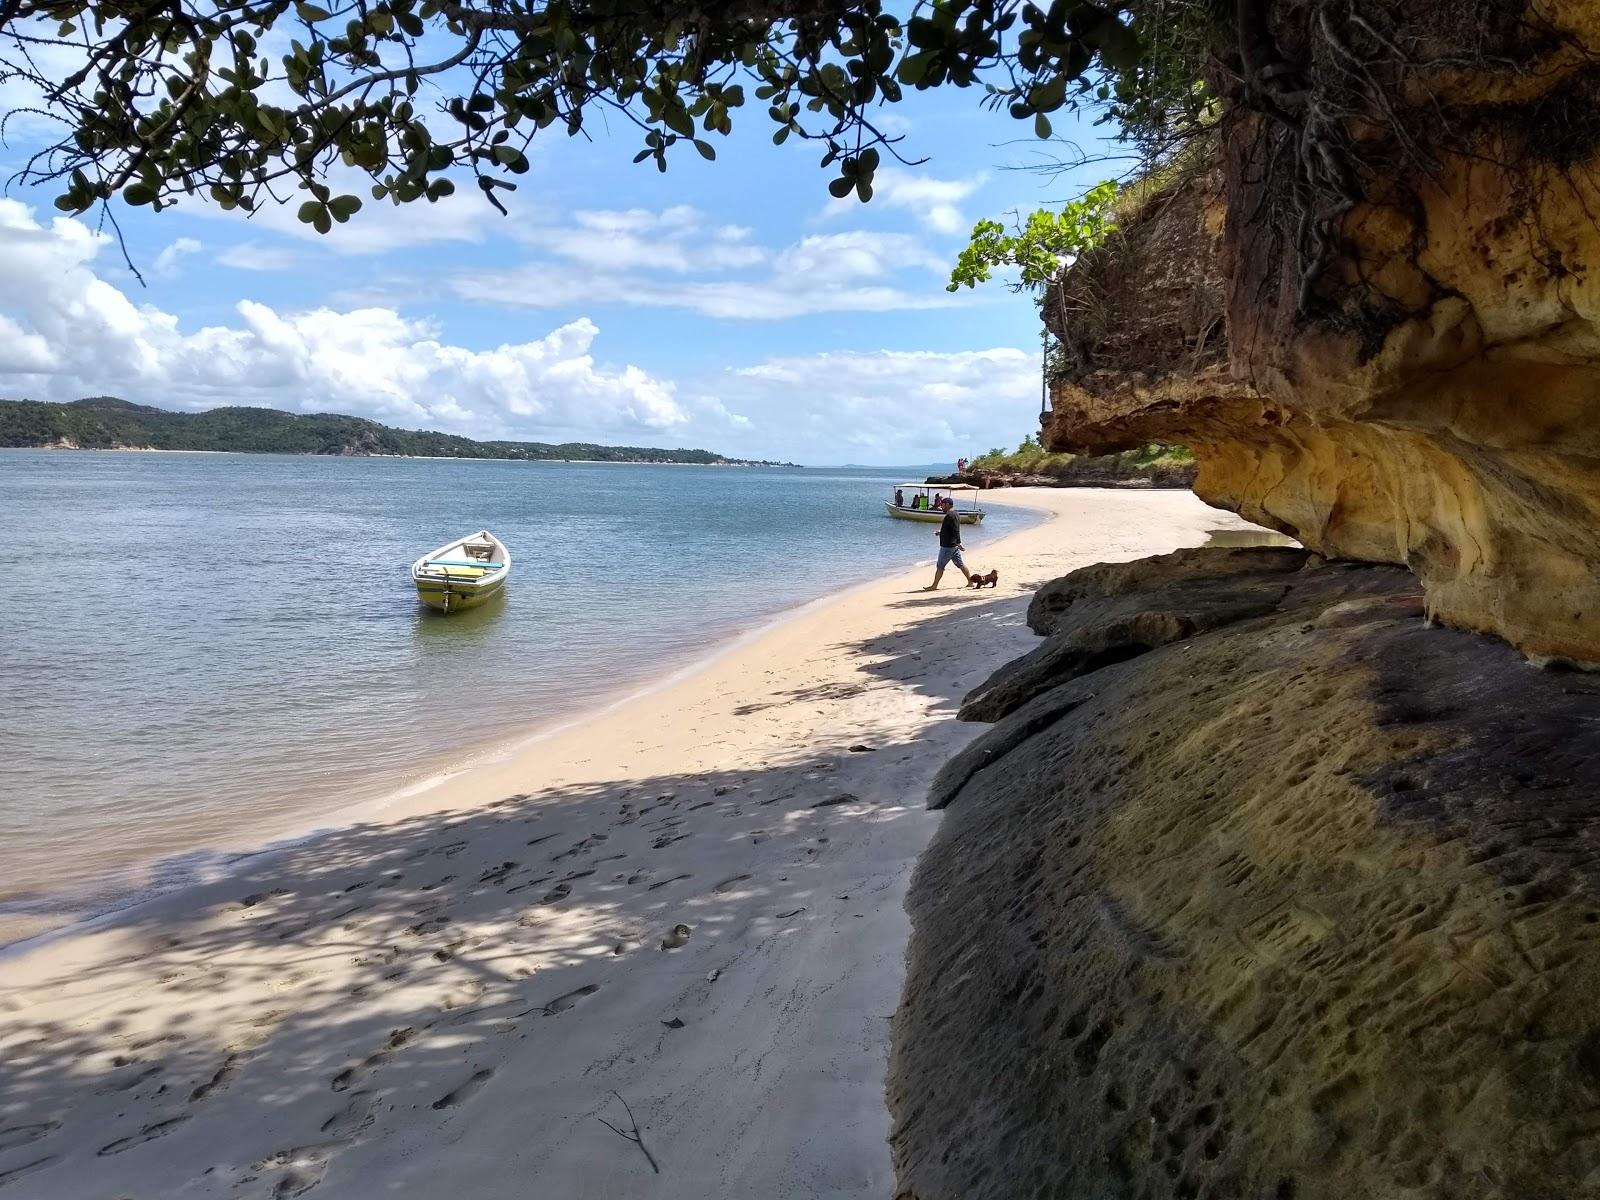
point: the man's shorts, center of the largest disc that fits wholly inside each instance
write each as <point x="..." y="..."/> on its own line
<point x="951" y="554"/>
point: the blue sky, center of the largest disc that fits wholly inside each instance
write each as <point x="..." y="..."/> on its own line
<point x="733" y="305"/>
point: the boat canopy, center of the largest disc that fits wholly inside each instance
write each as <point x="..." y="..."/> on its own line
<point x="937" y="487"/>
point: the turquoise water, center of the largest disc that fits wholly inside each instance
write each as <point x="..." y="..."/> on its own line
<point x="202" y="651"/>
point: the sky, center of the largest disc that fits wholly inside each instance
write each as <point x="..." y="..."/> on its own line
<point x="730" y="305"/>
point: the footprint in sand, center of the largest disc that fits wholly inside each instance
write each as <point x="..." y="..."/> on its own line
<point x="130" y="1078"/>
<point x="562" y="1003"/>
<point x="677" y="937"/>
<point x="465" y="1091"/>
<point x="21" y="1135"/>
<point x="664" y="882"/>
<point x="497" y="874"/>
<point x="354" y="1117"/>
<point x="350" y="1076"/>
<point x="299" y="1181"/>
<point x="27" y="1168"/>
<point x="835" y="801"/>
<point x="307" y="1165"/>
<point x="729" y="884"/>
<point x="148" y="1134"/>
<point x="522" y="887"/>
<point x="218" y="1080"/>
<point x="468" y="994"/>
<point x="560" y="892"/>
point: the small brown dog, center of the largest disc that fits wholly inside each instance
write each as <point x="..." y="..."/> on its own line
<point x="979" y="582"/>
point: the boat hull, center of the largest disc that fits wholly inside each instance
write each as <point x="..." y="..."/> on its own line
<point x="931" y="515"/>
<point x="456" y="596"/>
<point x="462" y="574"/>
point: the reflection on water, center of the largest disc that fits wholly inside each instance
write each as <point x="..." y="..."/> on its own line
<point x="433" y="629"/>
<point x="1232" y="539"/>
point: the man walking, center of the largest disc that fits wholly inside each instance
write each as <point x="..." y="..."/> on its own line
<point x="949" y="545"/>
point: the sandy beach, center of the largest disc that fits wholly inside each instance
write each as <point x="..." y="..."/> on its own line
<point x="683" y="917"/>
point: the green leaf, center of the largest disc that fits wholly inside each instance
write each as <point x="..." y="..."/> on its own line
<point x="311" y="13"/>
<point x="1041" y="126"/>
<point x="344" y="207"/>
<point x="707" y="152"/>
<point x="139" y="193"/>
<point x="841" y="187"/>
<point x="309" y="211"/>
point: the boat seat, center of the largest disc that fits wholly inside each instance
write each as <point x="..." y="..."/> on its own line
<point x="451" y="562"/>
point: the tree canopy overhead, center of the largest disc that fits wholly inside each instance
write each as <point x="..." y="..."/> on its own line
<point x="240" y="100"/>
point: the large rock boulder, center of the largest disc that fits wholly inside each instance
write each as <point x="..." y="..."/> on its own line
<point x="1306" y="905"/>
<point x="1391" y="346"/>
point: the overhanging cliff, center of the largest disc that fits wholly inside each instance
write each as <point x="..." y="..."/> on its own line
<point x="1411" y="372"/>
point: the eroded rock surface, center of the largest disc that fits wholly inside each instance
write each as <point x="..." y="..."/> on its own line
<point x="1429" y="396"/>
<point x="1306" y="905"/>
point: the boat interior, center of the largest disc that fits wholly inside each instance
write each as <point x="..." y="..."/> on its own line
<point x="471" y="559"/>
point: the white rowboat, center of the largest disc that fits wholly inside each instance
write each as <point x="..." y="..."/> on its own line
<point x="463" y="573"/>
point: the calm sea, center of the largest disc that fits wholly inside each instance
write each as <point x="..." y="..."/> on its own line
<point x="202" y="651"/>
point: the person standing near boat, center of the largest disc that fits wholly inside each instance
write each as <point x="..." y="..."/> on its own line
<point x="949" y="545"/>
<point x="899" y="498"/>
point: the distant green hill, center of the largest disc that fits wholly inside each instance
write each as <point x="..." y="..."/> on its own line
<point x="106" y="423"/>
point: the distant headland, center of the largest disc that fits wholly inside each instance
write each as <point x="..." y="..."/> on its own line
<point x="107" y="423"/>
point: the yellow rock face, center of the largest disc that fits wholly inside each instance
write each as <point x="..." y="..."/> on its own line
<point x="1448" y="418"/>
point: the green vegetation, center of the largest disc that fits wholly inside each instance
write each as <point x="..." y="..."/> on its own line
<point x="1039" y="247"/>
<point x="106" y="423"/>
<point x="1030" y="458"/>
<point x="157" y="101"/>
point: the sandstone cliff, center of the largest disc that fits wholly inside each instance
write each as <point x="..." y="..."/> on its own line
<point x="1259" y="887"/>
<point x="1376" y="328"/>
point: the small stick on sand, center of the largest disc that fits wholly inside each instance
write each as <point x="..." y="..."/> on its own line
<point x="633" y="1135"/>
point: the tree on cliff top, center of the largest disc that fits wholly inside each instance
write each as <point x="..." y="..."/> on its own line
<point x="242" y="100"/>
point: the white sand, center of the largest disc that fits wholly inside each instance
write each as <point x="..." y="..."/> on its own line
<point x="446" y="1002"/>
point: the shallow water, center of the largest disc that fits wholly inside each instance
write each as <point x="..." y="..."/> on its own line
<point x="204" y="651"/>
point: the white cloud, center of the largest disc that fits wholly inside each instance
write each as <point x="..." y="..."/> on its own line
<point x="885" y="406"/>
<point x="252" y="256"/>
<point x="169" y="262"/>
<point x="936" y="203"/>
<point x="674" y="259"/>
<point x="65" y="332"/>
<point x="677" y="239"/>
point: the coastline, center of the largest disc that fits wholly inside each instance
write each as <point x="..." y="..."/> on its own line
<point x="513" y="925"/>
<point x="103" y="899"/>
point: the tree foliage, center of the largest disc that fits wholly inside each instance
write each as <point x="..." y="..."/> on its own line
<point x="1039" y="247"/>
<point x="240" y="99"/>
<point x="105" y="422"/>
